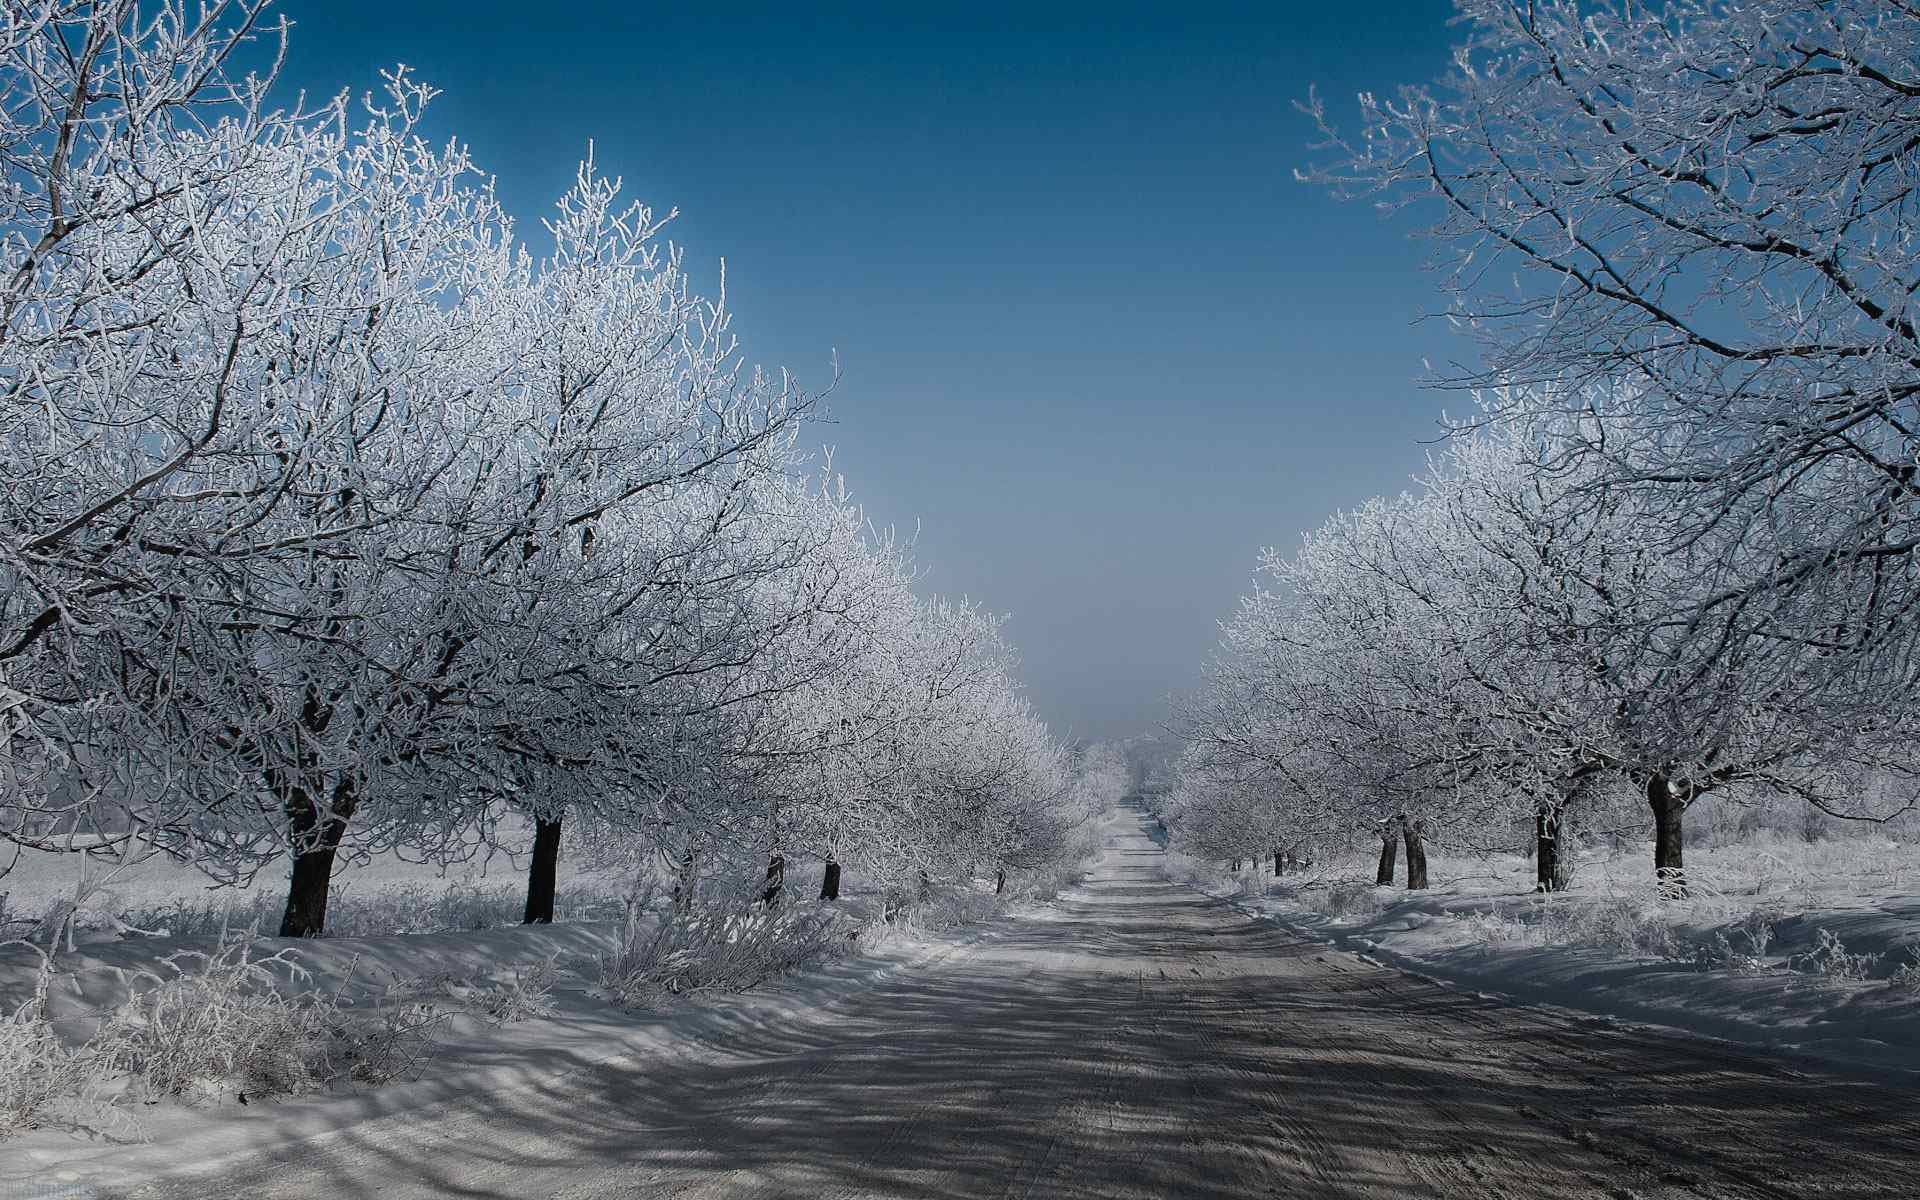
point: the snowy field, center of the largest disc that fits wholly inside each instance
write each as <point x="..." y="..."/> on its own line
<point x="1806" y="946"/>
<point x="385" y="895"/>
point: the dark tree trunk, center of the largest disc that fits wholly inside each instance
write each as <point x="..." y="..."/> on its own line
<point x="1416" y="853"/>
<point x="1279" y="867"/>
<point x="1548" y="870"/>
<point x="685" y="879"/>
<point x="1669" y="828"/>
<point x="999" y="881"/>
<point x="776" y="879"/>
<point x="306" y="914"/>
<point x="542" y="872"/>
<point x="1235" y="868"/>
<point x="830" y="881"/>
<point x="1389" y="853"/>
<point x="315" y="843"/>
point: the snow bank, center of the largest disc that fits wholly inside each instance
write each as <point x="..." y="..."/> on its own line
<point x="1758" y="966"/>
<point x="471" y="1055"/>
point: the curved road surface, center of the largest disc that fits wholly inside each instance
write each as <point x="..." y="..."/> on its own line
<point x="1141" y="1040"/>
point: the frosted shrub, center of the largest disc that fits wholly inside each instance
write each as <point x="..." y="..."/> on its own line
<point x="200" y="916"/>
<point x="1354" y="900"/>
<point x="1741" y="946"/>
<point x="1047" y="882"/>
<point x="42" y="1081"/>
<point x="394" y="1044"/>
<point x="204" y="1023"/>
<point x="209" y="1021"/>
<point x="1623" y="925"/>
<point x="715" y="949"/>
<point x="1831" y="960"/>
<point x="1907" y="975"/>
<point x="205" y="1020"/>
<point x="418" y="908"/>
<point x="1496" y="926"/>
<point x="527" y="995"/>
<point x="946" y="909"/>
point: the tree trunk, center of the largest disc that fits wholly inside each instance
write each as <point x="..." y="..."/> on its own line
<point x="1235" y="868"/>
<point x="1416" y="853"/>
<point x="776" y="879"/>
<point x="542" y="872"/>
<point x="1669" y="828"/>
<point x="315" y="842"/>
<point x="1548" y="871"/>
<point x="685" y="878"/>
<point x="1278" y="867"/>
<point x="830" y="881"/>
<point x="306" y="914"/>
<point x="999" y="881"/>
<point x="1389" y="853"/>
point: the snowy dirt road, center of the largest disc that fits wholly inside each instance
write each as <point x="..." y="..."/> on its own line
<point x="1141" y="1040"/>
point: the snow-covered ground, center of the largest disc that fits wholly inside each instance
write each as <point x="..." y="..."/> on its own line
<point x="1134" y="1041"/>
<point x="487" y="1006"/>
<point x="470" y="1054"/>
<point x="1805" y="947"/>
<point x="385" y="894"/>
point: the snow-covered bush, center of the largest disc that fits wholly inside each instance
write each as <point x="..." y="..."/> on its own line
<point x="44" y="1081"/>
<point x="1907" y="974"/>
<point x="1346" y="900"/>
<point x="1831" y="960"/>
<point x="715" y="949"/>
<point x="1740" y="946"/>
<point x="227" y="1019"/>
<point x="204" y="1023"/>
<point x="1047" y="882"/>
<point x="528" y="994"/>
<point x="1497" y="925"/>
<point x="946" y="908"/>
<point x="392" y="1043"/>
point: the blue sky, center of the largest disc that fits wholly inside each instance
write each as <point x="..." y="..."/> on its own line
<point x="1096" y="342"/>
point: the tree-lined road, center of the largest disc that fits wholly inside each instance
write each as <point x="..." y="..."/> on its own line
<point x="1141" y="1040"/>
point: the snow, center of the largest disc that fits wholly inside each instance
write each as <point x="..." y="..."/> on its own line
<point x="1610" y="949"/>
<point x="472" y="1055"/>
<point x="382" y="894"/>
<point x="1136" y="1039"/>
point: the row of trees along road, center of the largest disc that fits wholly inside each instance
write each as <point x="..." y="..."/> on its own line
<point x="1674" y="548"/>
<point x="338" y="521"/>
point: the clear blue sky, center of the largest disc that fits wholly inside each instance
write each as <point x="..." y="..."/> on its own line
<point x="1096" y="341"/>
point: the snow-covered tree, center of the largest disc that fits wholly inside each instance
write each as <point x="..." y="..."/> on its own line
<point x="229" y="335"/>
<point x="1507" y="641"/>
<point x="1695" y="224"/>
<point x="337" y="521"/>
